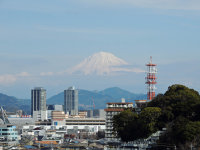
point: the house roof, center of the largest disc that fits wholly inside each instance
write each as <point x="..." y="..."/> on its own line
<point x="47" y="142"/>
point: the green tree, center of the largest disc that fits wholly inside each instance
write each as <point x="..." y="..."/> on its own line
<point x="130" y="126"/>
<point x="178" y="110"/>
<point x="148" y="119"/>
<point x="125" y="125"/>
<point x="178" y="100"/>
<point x="180" y="107"/>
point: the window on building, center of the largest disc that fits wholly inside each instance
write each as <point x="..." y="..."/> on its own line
<point x="5" y="129"/>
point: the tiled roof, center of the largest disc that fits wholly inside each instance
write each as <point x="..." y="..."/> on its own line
<point x="47" y="142"/>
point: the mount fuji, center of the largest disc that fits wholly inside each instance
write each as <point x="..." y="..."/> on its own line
<point x="103" y="63"/>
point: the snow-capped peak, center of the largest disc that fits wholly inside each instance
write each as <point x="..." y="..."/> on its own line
<point x="101" y="63"/>
<point x="104" y="59"/>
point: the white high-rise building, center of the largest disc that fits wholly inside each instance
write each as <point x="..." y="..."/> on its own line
<point x="71" y="101"/>
<point x="38" y="104"/>
<point x="111" y="110"/>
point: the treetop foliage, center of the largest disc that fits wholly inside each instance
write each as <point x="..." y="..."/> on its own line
<point x="178" y="110"/>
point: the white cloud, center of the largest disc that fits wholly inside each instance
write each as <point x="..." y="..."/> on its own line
<point x="135" y="70"/>
<point x="7" y="79"/>
<point x="46" y="73"/>
<point x="23" y="74"/>
<point x="12" y="78"/>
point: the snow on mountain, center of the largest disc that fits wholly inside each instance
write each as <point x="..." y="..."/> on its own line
<point x="102" y="63"/>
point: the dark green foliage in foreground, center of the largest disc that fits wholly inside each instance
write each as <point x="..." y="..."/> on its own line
<point x="180" y="115"/>
<point x="178" y="101"/>
<point x="131" y="126"/>
<point x="178" y="110"/>
<point x="125" y="125"/>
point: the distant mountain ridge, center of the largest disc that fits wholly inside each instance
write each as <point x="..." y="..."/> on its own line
<point x="87" y="99"/>
<point x="117" y="92"/>
<point x="8" y="102"/>
<point x="12" y="104"/>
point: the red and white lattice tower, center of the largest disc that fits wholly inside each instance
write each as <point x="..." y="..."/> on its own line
<point x="151" y="79"/>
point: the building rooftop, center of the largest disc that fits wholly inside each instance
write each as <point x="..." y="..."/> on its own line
<point x="6" y="125"/>
<point x="86" y="119"/>
<point x="47" y="142"/>
<point x="71" y="88"/>
<point x="140" y="100"/>
<point x="38" y="88"/>
<point x="114" y="109"/>
<point x="121" y="103"/>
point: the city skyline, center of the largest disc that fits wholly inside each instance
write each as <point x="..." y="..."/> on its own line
<point x="39" y="40"/>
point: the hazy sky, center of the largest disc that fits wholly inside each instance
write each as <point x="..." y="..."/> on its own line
<point x="39" y="40"/>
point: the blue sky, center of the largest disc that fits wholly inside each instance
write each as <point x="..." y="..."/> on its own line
<point x="39" y="38"/>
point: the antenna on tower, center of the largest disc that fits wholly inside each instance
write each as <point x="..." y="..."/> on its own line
<point x="150" y="59"/>
<point x="151" y="79"/>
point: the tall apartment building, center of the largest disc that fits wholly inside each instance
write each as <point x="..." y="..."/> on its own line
<point x="38" y="104"/>
<point x="111" y="110"/>
<point x="71" y="101"/>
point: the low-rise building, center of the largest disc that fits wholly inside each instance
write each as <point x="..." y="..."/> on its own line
<point x="82" y="114"/>
<point x="99" y="113"/>
<point x="75" y="126"/>
<point x="51" y="108"/>
<point x="58" y="118"/>
<point x="93" y="124"/>
<point x="96" y="113"/>
<point x="8" y="132"/>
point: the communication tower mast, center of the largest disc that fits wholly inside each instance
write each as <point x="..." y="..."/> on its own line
<point x="151" y="79"/>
